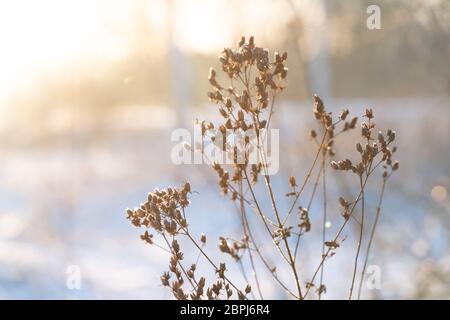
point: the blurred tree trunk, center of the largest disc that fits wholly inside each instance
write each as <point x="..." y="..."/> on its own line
<point x="180" y="79"/>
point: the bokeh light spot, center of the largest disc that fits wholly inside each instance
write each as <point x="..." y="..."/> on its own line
<point x="439" y="193"/>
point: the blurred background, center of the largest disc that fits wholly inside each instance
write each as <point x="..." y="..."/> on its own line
<point x="90" y="91"/>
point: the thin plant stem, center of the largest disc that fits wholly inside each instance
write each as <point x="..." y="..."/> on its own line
<point x="305" y="181"/>
<point x="336" y="237"/>
<point x="209" y="259"/>
<point x="316" y="183"/>
<point x="262" y="215"/>
<point x="372" y="235"/>
<point x="264" y="261"/>
<point x="324" y="221"/>
<point x="361" y="233"/>
<point x="246" y="233"/>
<point x="291" y="261"/>
<point x="179" y="263"/>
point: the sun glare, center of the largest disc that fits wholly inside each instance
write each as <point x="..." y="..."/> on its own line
<point x="40" y="36"/>
<point x="199" y="26"/>
<point x="48" y="37"/>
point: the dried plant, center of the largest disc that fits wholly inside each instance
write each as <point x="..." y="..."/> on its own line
<point x="248" y="103"/>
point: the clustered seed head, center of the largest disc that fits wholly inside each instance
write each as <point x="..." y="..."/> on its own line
<point x="162" y="211"/>
<point x="237" y="64"/>
<point x="214" y="291"/>
<point x="255" y="79"/>
<point x="282" y="233"/>
<point x="369" y="149"/>
<point x="346" y="205"/>
<point x="224" y="178"/>
<point x="322" y="289"/>
<point x="329" y="125"/>
<point x="372" y="152"/>
<point x="234" y="249"/>
<point x="332" y="244"/>
<point x="247" y="53"/>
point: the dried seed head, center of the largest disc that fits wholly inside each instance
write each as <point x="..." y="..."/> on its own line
<point x="147" y="237"/>
<point x="365" y="131"/>
<point x="358" y="169"/>
<point x="395" y="166"/>
<point x="212" y="79"/>
<point x="203" y="238"/>
<point x="221" y="270"/>
<point x="359" y="147"/>
<point x="352" y="123"/>
<point x="223" y="245"/>
<point x="334" y="165"/>
<point x="345" y="164"/>
<point x="292" y="182"/>
<point x="212" y="73"/>
<point x="165" y="279"/>
<point x="313" y="134"/>
<point x="343" y="202"/>
<point x="241" y="41"/>
<point x="318" y="104"/>
<point x="129" y="213"/>
<point x="228" y="103"/>
<point x="309" y="285"/>
<point x="344" y="114"/>
<point x="240" y="115"/>
<point x="277" y="57"/>
<point x="305" y="223"/>
<point x="228" y="124"/>
<point x="223" y="113"/>
<point x="332" y="244"/>
<point x="251" y="41"/>
<point x="322" y="289"/>
<point x="369" y="113"/>
<point x="175" y="246"/>
<point x="391" y="136"/>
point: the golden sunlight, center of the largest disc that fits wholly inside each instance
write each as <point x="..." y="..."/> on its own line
<point x="199" y="25"/>
<point x="40" y="36"/>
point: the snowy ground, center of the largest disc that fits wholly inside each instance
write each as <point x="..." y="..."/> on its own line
<point x="62" y="204"/>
